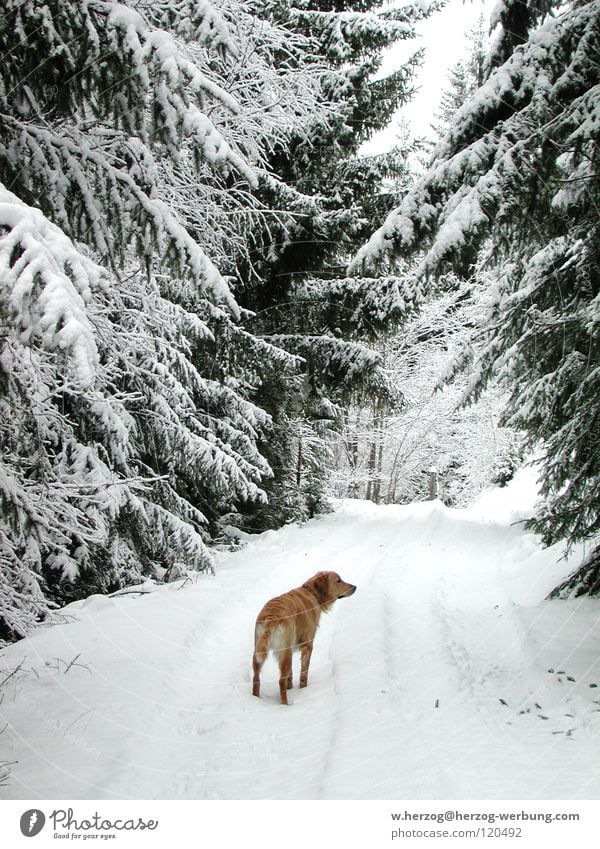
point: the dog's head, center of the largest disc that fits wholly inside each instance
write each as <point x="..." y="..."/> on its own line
<point x="327" y="587"/>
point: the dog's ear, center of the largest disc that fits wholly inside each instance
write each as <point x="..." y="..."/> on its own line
<point x="319" y="586"/>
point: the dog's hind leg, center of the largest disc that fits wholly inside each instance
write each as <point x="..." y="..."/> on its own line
<point x="261" y="650"/>
<point x="257" y="664"/>
<point x="285" y="673"/>
<point x="305" y="653"/>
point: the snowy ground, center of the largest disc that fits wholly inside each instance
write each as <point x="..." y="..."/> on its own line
<point x="446" y="676"/>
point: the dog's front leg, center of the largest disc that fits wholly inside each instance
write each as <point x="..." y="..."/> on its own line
<point x="305" y="653"/>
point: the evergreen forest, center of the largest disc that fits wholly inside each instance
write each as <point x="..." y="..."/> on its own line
<point x="219" y="313"/>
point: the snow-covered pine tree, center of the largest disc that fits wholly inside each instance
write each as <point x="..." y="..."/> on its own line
<point x="293" y="281"/>
<point x="121" y="439"/>
<point x="338" y="193"/>
<point x="514" y="186"/>
<point x="464" y="78"/>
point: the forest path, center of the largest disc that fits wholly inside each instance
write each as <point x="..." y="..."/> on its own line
<point x="432" y="681"/>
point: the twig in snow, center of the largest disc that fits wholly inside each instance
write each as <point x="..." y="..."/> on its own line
<point x="130" y="592"/>
<point x="64" y="618"/>
<point x="77" y="720"/>
<point x="10" y="675"/>
<point x="72" y="663"/>
<point x="5" y="772"/>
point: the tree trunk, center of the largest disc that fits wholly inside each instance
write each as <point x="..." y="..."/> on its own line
<point x="352" y="453"/>
<point x="371" y="471"/>
<point x="299" y="463"/>
<point x="434" y="484"/>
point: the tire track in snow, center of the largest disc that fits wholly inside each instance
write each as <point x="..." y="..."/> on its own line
<point x="376" y="726"/>
<point x="444" y="690"/>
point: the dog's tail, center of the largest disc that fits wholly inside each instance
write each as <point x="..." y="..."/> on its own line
<point x="262" y="640"/>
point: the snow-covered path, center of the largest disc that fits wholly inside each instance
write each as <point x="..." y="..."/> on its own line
<point x="432" y="682"/>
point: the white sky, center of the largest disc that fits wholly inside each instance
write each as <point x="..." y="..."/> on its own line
<point x="443" y="36"/>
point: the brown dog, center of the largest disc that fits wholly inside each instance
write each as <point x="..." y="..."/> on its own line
<point x="289" y="622"/>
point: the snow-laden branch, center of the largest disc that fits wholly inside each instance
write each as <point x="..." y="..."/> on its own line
<point x="45" y="283"/>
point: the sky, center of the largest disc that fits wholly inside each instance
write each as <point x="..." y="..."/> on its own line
<point x="443" y="37"/>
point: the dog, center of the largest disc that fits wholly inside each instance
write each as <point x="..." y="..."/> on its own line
<point x="289" y="623"/>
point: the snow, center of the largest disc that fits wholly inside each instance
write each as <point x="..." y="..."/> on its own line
<point x="46" y="284"/>
<point x="446" y="676"/>
<point x="509" y="504"/>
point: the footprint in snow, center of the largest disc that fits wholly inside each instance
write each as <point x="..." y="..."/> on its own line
<point x="570" y="678"/>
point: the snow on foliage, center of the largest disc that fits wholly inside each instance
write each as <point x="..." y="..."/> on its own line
<point x="45" y="284"/>
<point x="362" y="304"/>
<point x="98" y="173"/>
<point x="345" y="32"/>
<point x="513" y="186"/>
<point x="193" y="20"/>
<point x="478" y="166"/>
<point x="131" y="148"/>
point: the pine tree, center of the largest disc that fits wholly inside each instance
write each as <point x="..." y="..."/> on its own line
<point x="464" y="78"/>
<point x="337" y="192"/>
<point x="125" y="436"/>
<point x="514" y="186"/>
<point x="294" y="281"/>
